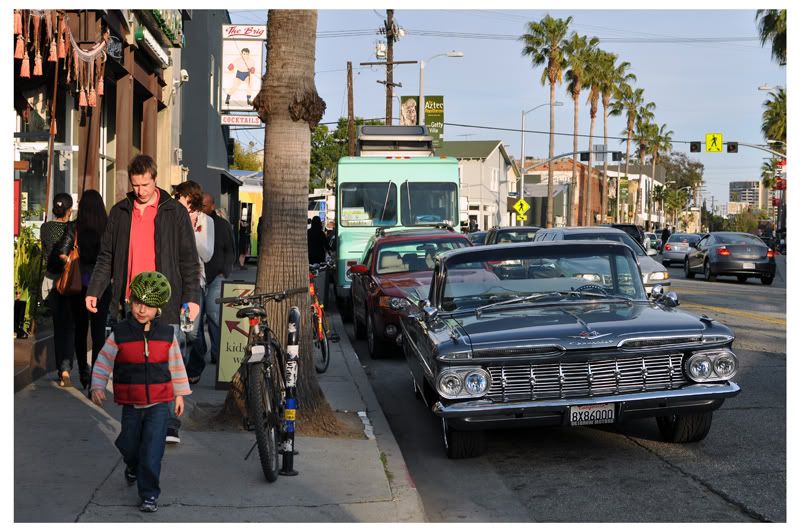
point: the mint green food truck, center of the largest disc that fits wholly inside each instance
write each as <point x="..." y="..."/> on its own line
<point x="396" y="181"/>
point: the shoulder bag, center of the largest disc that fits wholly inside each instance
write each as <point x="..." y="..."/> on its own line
<point x="70" y="283"/>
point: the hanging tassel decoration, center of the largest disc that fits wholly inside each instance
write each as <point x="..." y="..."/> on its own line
<point x="17" y="22"/>
<point x="92" y="98"/>
<point x="62" y="50"/>
<point x="25" y="69"/>
<point x="100" y="75"/>
<point x="19" y="50"/>
<point x="53" y="56"/>
<point x="37" y="64"/>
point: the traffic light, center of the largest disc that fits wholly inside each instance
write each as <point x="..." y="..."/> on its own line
<point x="733" y="147"/>
<point x="695" y="146"/>
<point x="780" y="184"/>
<point x="584" y="156"/>
<point x="616" y="155"/>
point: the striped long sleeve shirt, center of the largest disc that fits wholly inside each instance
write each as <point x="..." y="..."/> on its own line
<point x="104" y="367"/>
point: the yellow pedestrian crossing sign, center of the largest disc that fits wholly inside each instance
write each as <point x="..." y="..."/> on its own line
<point x="522" y="218"/>
<point x="714" y="142"/>
<point x="521" y="206"/>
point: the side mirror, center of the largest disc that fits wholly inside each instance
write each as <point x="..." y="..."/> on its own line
<point x="657" y="292"/>
<point x="358" y="269"/>
<point x="428" y="312"/>
<point x="693" y="245"/>
<point x="651" y="252"/>
<point x="670" y="300"/>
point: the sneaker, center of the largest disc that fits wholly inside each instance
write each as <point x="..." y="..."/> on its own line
<point x="130" y="475"/>
<point x="172" y="436"/>
<point x="149" y="505"/>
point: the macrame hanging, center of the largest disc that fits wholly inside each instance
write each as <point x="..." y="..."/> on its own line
<point x="84" y="68"/>
<point x="37" y="30"/>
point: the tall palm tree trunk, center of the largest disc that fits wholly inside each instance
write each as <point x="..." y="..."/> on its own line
<point x="291" y="107"/>
<point x="652" y="187"/>
<point x="588" y="213"/>
<point x="627" y="161"/>
<point x="574" y="190"/>
<point x="551" y="153"/>
<point x="604" y="181"/>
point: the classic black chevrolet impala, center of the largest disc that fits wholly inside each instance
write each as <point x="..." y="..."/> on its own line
<point x="560" y="333"/>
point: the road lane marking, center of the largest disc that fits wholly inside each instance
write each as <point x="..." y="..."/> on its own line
<point x="739" y="313"/>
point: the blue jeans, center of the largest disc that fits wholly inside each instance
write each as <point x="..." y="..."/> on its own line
<point x="141" y="442"/>
<point x="212" y="316"/>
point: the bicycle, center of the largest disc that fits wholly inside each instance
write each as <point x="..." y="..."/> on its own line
<point x="319" y="320"/>
<point x="269" y="376"/>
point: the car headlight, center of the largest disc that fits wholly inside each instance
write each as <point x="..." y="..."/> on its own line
<point x="394" y="303"/>
<point x="716" y="364"/>
<point x="459" y="383"/>
<point x="656" y="276"/>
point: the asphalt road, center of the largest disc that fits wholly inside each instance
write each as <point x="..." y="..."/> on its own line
<point x="619" y="473"/>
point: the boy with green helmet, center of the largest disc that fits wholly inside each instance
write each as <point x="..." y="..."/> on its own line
<point x="148" y="369"/>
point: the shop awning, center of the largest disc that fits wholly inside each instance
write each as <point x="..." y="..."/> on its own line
<point x="236" y="181"/>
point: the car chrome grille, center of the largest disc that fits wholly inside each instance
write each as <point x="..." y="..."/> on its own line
<point x="586" y="379"/>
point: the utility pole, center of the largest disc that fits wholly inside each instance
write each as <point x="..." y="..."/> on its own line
<point x="390" y="37"/>
<point x="351" y="127"/>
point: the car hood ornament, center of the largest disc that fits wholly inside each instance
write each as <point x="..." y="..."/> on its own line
<point x="589" y="335"/>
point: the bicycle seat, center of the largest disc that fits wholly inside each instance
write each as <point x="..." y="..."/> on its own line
<point x="251" y="312"/>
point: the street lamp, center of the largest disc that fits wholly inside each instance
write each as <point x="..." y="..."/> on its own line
<point x="767" y="87"/>
<point x="451" y="53"/>
<point x="522" y="144"/>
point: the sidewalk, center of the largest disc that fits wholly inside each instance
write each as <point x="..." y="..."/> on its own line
<point x="66" y="467"/>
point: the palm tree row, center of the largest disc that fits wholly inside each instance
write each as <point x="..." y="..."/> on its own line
<point x="607" y="81"/>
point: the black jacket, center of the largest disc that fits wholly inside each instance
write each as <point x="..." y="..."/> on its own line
<point x="222" y="260"/>
<point x="176" y="255"/>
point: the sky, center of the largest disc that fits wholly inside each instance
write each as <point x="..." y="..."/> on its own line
<point x="698" y="87"/>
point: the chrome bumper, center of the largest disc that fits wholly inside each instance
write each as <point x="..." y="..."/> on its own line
<point x="484" y="411"/>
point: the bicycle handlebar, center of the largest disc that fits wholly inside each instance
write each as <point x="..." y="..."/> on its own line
<point x="264" y="296"/>
<point x="320" y="266"/>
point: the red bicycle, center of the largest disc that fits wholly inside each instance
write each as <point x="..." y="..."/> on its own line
<point x="319" y="321"/>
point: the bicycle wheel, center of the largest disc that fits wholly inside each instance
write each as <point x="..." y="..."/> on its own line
<point x="261" y="407"/>
<point x="320" y="347"/>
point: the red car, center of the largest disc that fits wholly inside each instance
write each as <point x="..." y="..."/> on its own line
<point x="394" y="272"/>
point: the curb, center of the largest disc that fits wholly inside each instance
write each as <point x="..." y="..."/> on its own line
<point x="408" y="503"/>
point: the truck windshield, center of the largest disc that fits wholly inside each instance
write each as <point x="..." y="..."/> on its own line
<point x="368" y="204"/>
<point x="428" y="203"/>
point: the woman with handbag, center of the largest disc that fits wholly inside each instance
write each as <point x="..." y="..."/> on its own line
<point x="52" y="235"/>
<point x="90" y="225"/>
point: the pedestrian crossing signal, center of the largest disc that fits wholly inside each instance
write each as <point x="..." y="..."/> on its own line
<point x="584" y="156"/>
<point x="733" y="147"/>
<point x="695" y="146"/>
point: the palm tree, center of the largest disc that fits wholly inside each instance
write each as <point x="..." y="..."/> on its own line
<point x="631" y="102"/>
<point x="772" y="27"/>
<point x="613" y="77"/>
<point x="578" y="50"/>
<point x="659" y="195"/>
<point x="544" y="44"/>
<point x="291" y="108"/>
<point x="660" y="142"/>
<point x="773" y="120"/>
<point x="768" y="178"/>
<point x="595" y="75"/>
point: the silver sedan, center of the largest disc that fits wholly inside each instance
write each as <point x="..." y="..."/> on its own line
<point x="677" y="246"/>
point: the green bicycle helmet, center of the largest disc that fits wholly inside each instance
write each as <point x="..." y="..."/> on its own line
<point x="151" y="288"/>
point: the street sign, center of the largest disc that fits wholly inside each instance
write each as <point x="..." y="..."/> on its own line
<point x="714" y="142"/>
<point x="521" y="206"/>
<point x="522" y="218"/>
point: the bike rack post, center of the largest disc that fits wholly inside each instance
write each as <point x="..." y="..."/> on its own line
<point x="290" y="412"/>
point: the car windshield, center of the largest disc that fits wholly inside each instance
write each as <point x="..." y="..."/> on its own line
<point x="428" y="203"/>
<point x="738" y="238"/>
<point x="368" y="204"/>
<point x="540" y="274"/>
<point x="477" y="238"/>
<point x="614" y="237"/>
<point x="413" y="255"/>
<point x="684" y="237"/>
<point x="519" y="235"/>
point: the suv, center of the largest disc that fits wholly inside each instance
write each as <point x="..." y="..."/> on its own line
<point x="635" y="231"/>
<point x="511" y="234"/>
<point x="653" y="273"/>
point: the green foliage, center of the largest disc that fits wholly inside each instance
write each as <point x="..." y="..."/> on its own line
<point x="246" y="160"/>
<point x="684" y="171"/>
<point x="772" y="27"/>
<point x="327" y="147"/>
<point x="773" y="119"/>
<point x="544" y="43"/>
<point x="746" y="221"/>
<point x="28" y="270"/>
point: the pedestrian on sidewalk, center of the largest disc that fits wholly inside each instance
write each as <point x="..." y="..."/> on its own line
<point x="148" y="231"/>
<point x="244" y="241"/>
<point x="190" y="195"/>
<point x="149" y="374"/>
<point x="89" y="228"/>
<point x="53" y="234"/>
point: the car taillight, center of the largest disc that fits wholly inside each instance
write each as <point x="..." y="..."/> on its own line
<point x="723" y="251"/>
<point x="770" y="254"/>
<point x="667" y="247"/>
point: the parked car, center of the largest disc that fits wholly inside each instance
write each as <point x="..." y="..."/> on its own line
<point x="677" y="246"/>
<point x="477" y="237"/>
<point x="653" y="272"/>
<point x="511" y="234"/>
<point x="722" y="253"/>
<point x="651" y="241"/>
<point x="393" y="273"/>
<point x="560" y="334"/>
<point x="635" y="231"/>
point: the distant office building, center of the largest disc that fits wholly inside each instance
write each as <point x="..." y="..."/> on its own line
<point x="748" y="192"/>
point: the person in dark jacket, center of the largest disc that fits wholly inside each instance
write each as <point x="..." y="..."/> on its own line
<point x="665" y="234"/>
<point x="148" y="231"/>
<point x="53" y="233"/>
<point x="89" y="227"/>
<point x="318" y="251"/>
